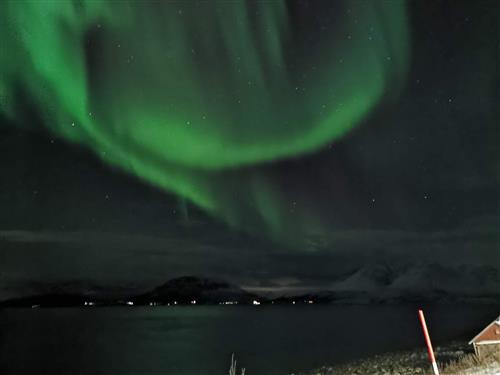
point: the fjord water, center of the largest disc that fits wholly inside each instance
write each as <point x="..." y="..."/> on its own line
<point x="198" y="340"/>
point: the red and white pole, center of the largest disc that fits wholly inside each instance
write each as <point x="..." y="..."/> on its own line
<point x="428" y="342"/>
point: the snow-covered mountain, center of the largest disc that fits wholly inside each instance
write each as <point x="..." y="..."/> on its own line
<point x="368" y="278"/>
<point x="371" y="283"/>
<point x="422" y="282"/>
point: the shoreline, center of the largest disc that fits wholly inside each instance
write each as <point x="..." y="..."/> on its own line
<point x="454" y="358"/>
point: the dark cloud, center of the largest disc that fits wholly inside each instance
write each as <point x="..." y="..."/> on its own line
<point x="117" y="258"/>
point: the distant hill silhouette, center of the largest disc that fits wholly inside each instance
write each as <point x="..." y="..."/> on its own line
<point x="371" y="283"/>
<point x="184" y="290"/>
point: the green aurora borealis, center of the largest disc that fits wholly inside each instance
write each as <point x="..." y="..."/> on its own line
<point x="193" y="96"/>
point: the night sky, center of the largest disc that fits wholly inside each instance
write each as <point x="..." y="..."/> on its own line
<point x="270" y="144"/>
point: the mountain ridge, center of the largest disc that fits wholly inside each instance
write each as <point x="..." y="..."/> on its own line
<point x="370" y="283"/>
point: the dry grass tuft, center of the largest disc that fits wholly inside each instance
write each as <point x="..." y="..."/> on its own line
<point x="233" y="369"/>
<point x="471" y="362"/>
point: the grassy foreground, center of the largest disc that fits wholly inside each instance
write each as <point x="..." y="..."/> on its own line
<point x="453" y="359"/>
<point x="472" y="364"/>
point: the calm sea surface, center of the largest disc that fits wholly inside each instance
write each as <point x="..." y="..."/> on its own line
<point x="267" y="340"/>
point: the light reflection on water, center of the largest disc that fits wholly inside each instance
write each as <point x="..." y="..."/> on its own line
<point x="197" y="340"/>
